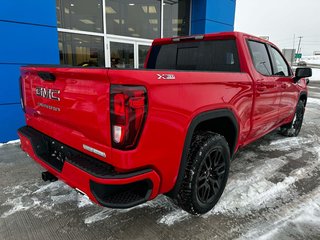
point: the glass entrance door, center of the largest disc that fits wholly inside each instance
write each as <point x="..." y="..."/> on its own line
<point x="126" y="53"/>
<point x="121" y="55"/>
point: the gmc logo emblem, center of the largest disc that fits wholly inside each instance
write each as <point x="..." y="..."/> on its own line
<point x="48" y="93"/>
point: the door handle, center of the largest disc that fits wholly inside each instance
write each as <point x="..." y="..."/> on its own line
<point x="283" y="85"/>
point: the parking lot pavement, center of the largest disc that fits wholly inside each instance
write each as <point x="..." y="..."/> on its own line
<point x="273" y="193"/>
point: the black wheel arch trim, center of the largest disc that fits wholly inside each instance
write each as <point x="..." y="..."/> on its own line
<point x="204" y="116"/>
<point x="303" y="93"/>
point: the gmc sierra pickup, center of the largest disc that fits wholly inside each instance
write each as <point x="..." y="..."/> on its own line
<point x="122" y="137"/>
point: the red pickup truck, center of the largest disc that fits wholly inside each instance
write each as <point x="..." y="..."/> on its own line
<point x="122" y="137"/>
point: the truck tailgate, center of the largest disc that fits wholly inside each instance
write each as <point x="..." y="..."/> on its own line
<point x="75" y="101"/>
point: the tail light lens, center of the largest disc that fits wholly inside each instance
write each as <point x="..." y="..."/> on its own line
<point x="128" y="112"/>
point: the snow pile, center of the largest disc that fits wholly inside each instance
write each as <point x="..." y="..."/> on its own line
<point x="315" y="74"/>
<point x="10" y="142"/>
<point x="311" y="59"/>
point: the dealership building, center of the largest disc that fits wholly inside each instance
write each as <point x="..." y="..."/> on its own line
<point x="103" y="33"/>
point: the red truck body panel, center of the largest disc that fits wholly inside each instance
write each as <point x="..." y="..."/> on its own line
<point x="82" y="114"/>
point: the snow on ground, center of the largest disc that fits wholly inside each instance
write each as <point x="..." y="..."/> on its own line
<point x="10" y="142"/>
<point x="311" y="59"/>
<point x="315" y="71"/>
<point x="247" y="191"/>
<point x="31" y="196"/>
<point x="256" y="189"/>
<point x="315" y="74"/>
<point x="257" y="183"/>
<point x="303" y="220"/>
<point x="313" y="100"/>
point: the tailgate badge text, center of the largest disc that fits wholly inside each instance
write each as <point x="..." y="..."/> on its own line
<point x="166" y="76"/>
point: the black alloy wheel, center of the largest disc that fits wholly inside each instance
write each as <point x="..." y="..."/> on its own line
<point x="293" y="128"/>
<point x="209" y="178"/>
<point x="206" y="173"/>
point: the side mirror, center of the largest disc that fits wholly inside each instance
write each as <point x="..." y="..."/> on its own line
<point x="302" y="73"/>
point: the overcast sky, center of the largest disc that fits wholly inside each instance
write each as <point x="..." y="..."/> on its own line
<point x="280" y="20"/>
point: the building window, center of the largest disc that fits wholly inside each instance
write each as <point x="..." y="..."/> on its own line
<point x="81" y="50"/>
<point x="143" y="52"/>
<point x="121" y="30"/>
<point x="81" y="15"/>
<point x="138" y="18"/>
<point x="176" y="18"/>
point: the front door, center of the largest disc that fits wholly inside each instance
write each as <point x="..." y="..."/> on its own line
<point x="284" y="76"/>
<point x="265" y="113"/>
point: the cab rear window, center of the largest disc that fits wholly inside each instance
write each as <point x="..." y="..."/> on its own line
<point x="215" y="55"/>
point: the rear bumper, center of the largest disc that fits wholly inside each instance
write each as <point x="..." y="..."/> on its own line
<point x="97" y="179"/>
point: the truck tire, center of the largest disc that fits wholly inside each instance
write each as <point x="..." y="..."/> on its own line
<point x="293" y="128"/>
<point x="206" y="173"/>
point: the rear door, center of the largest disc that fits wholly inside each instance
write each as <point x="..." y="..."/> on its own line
<point x="267" y="91"/>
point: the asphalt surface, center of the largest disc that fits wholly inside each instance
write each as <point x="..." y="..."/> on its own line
<point x="273" y="193"/>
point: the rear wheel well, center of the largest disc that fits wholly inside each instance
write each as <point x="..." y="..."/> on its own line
<point x="221" y="121"/>
<point x="223" y="126"/>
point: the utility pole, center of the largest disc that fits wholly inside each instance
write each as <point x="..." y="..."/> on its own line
<point x="298" y="51"/>
<point x="299" y="43"/>
<point x="293" y="52"/>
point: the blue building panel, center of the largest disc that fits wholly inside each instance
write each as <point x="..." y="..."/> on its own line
<point x="217" y="17"/>
<point x="221" y="11"/>
<point x="213" y="26"/>
<point x="42" y="12"/>
<point x="28" y="36"/>
<point x="198" y="10"/>
<point x="9" y="91"/>
<point x="11" y="119"/>
<point x="198" y="27"/>
<point x="28" y="44"/>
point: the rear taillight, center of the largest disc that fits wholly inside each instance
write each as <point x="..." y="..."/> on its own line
<point x="128" y="110"/>
<point x="21" y="95"/>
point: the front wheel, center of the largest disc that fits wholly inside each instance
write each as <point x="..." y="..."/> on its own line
<point x="206" y="173"/>
<point x="293" y="128"/>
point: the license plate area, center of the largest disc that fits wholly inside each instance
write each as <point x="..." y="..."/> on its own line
<point x="51" y="152"/>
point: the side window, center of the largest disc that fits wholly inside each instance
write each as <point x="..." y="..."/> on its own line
<point x="260" y="57"/>
<point x="280" y="66"/>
